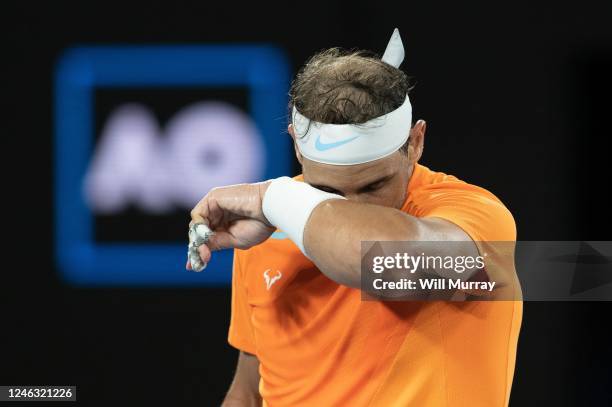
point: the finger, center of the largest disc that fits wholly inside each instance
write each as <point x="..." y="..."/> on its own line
<point x="205" y="253"/>
<point x="215" y="213"/>
<point x="221" y="240"/>
<point x="199" y="214"/>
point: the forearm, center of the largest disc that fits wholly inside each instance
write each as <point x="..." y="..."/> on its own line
<point x="329" y="229"/>
<point x="336" y="228"/>
<point x="241" y="399"/>
<point x="244" y="390"/>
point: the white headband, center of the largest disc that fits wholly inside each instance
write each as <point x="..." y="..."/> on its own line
<point x="348" y="144"/>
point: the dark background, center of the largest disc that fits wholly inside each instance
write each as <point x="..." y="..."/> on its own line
<point x="516" y="96"/>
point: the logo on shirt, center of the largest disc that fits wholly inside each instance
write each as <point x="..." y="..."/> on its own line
<point x="273" y="279"/>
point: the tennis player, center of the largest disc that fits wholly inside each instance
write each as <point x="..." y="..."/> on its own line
<point x="305" y="335"/>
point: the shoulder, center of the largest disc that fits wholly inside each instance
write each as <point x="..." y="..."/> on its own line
<point x="475" y="209"/>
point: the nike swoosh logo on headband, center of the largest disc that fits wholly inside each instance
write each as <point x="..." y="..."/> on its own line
<point x="320" y="146"/>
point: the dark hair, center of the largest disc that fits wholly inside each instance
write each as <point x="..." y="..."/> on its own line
<point x="348" y="87"/>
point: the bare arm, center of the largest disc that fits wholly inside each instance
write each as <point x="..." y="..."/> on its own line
<point x="244" y="390"/>
<point x="333" y="233"/>
<point x="336" y="228"/>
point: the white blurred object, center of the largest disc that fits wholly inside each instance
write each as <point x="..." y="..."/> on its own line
<point x="205" y="145"/>
<point x="211" y="144"/>
<point x="125" y="166"/>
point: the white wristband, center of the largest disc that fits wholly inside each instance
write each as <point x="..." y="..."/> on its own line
<point x="288" y="204"/>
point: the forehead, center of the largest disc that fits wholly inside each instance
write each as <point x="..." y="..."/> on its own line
<point x="343" y="177"/>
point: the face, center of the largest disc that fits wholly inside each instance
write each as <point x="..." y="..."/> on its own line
<point x="381" y="182"/>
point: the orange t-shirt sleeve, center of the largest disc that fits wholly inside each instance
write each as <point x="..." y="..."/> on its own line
<point x="240" y="334"/>
<point x="478" y="212"/>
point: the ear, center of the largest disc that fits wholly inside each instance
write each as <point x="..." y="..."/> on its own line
<point x="417" y="140"/>
<point x="298" y="155"/>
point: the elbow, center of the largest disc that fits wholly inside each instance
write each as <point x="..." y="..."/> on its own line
<point x="354" y="266"/>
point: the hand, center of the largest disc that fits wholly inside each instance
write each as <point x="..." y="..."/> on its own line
<point x="235" y="215"/>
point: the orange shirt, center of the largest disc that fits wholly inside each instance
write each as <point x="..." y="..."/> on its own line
<point x="319" y="344"/>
